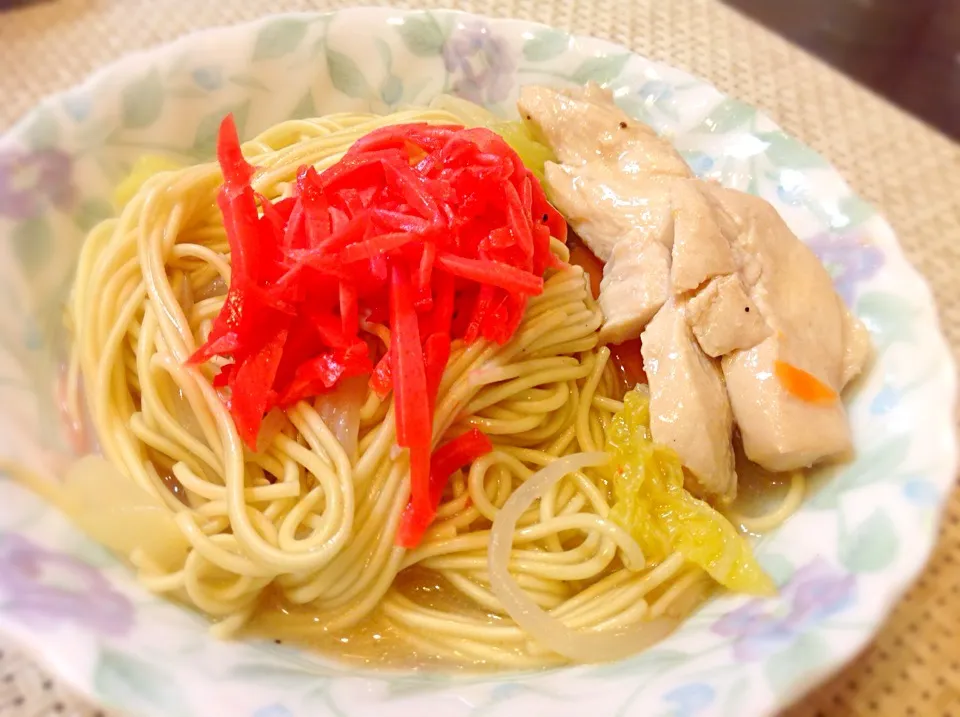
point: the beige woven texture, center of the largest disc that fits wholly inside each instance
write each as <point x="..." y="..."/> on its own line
<point x="909" y="171"/>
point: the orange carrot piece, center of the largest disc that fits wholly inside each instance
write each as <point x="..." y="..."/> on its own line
<point x="803" y="385"/>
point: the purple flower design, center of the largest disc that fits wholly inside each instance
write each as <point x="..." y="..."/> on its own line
<point x="30" y="179"/>
<point x="44" y="587"/>
<point x="484" y="62"/>
<point x="849" y="259"/>
<point x="816" y="592"/>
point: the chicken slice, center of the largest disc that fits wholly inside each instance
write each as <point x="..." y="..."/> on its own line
<point x="710" y="273"/>
<point x="689" y="409"/>
<point x="857" y="349"/>
<point x="724" y="318"/>
<point x="584" y="124"/>
<point x="605" y="208"/>
<point x="636" y="283"/>
<point x="617" y="198"/>
<point x="780" y="431"/>
<point x="811" y="330"/>
<point x="700" y="250"/>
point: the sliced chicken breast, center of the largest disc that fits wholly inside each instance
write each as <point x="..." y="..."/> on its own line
<point x="689" y="409"/>
<point x="724" y="318"/>
<point x="599" y="130"/>
<point x="635" y="284"/>
<point x="613" y="195"/>
<point x="780" y="431"/>
<point x="700" y="250"/>
<point x="606" y="207"/>
<point x="812" y="331"/>
<point x="710" y="274"/>
<point x="856" y="344"/>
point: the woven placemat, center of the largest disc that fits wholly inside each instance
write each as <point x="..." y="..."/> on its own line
<point x="911" y="172"/>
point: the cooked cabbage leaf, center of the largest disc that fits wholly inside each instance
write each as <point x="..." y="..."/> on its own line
<point x="517" y="134"/>
<point x="662" y="516"/>
<point x="143" y="169"/>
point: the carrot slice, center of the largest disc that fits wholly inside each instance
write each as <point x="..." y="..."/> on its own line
<point x="410" y="385"/>
<point x="802" y="384"/>
<point x="492" y="273"/>
<point x="448" y="458"/>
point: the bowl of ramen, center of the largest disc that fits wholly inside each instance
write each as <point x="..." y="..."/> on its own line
<point x="380" y="361"/>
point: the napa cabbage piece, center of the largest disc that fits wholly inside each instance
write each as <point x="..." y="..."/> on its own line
<point x="534" y="154"/>
<point x="652" y="504"/>
<point x="143" y="169"/>
<point x="514" y="132"/>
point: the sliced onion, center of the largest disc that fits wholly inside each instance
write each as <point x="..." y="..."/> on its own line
<point x="274" y="422"/>
<point x="340" y="412"/>
<point x="185" y="416"/>
<point x="119" y="514"/>
<point x="217" y="287"/>
<point x="576" y="645"/>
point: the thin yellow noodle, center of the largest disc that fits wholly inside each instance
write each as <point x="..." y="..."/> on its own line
<point x="303" y="523"/>
<point x="787" y="507"/>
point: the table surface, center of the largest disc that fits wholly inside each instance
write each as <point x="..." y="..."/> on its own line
<point x="911" y="172"/>
<point x="906" y="51"/>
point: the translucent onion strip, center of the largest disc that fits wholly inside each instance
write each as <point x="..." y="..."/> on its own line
<point x="577" y="645"/>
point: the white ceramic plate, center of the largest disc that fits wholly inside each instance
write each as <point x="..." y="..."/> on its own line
<point x="841" y="562"/>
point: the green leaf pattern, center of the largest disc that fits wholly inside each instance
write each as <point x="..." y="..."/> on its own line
<point x="545" y="45"/>
<point x="92" y="211"/>
<point x="32" y="242"/>
<point x="278" y="38"/>
<point x="603" y="69"/>
<point x="138" y="683"/>
<point x="872" y="545"/>
<point x="345" y="74"/>
<point x="806" y="651"/>
<point x="43" y="130"/>
<point x="882" y="459"/>
<point x="305" y="108"/>
<point x="143" y="101"/>
<point x="889" y="318"/>
<point x="205" y="139"/>
<point x="727" y="116"/>
<point x="422" y="35"/>
<point x="784" y="151"/>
